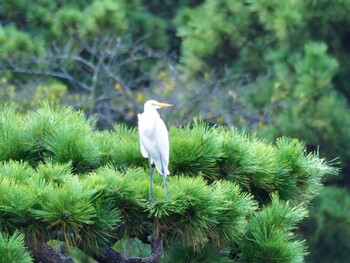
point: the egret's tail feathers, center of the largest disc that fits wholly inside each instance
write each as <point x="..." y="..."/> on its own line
<point x="162" y="170"/>
<point x="166" y="172"/>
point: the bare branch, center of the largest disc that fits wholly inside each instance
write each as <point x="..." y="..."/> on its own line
<point x="94" y="69"/>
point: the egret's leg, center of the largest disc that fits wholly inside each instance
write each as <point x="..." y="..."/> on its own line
<point x="164" y="180"/>
<point x="164" y="186"/>
<point x="150" y="179"/>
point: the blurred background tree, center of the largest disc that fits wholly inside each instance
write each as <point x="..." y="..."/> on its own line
<point x="275" y="67"/>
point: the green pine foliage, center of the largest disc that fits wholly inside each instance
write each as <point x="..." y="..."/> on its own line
<point x="309" y="98"/>
<point x="249" y="161"/>
<point x="16" y="170"/>
<point x="202" y="145"/>
<point x="202" y="38"/>
<point x="270" y="237"/>
<point x="262" y="168"/>
<point x="89" y="188"/>
<point x="12" y="249"/>
<point x="56" y="173"/>
<point x="96" y="13"/>
<point x="72" y="213"/>
<point x="328" y="223"/>
<point x="120" y="147"/>
<point x="17" y="204"/>
<point x="16" y="44"/>
<point x="13" y="139"/>
<point x="61" y="135"/>
<point x="207" y="213"/>
<point x="128" y="192"/>
<point x="298" y="178"/>
<point x="86" y="17"/>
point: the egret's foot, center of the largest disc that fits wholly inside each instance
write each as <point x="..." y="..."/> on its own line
<point x="150" y="200"/>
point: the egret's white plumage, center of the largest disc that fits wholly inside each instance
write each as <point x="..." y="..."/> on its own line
<point x="154" y="141"/>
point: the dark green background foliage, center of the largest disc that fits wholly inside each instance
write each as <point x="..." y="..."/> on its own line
<point x="280" y="68"/>
<point x="59" y="181"/>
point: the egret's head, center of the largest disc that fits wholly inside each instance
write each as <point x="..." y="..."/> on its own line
<point x="153" y="104"/>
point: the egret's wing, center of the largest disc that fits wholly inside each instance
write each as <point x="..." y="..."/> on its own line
<point x="163" y="140"/>
<point x="163" y="148"/>
<point x="143" y="150"/>
<point x="141" y="128"/>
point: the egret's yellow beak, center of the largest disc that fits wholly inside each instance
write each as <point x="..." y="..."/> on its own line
<point x="163" y="105"/>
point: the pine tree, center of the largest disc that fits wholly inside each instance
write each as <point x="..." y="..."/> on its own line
<point x="232" y="197"/>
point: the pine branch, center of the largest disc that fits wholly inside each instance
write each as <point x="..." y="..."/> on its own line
<point x="109" y="256"/>
<point x="44" y="253"/>
<point x="157" y="251"/>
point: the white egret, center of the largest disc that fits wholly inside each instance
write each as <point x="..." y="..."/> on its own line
<point x="154" y="141"/>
